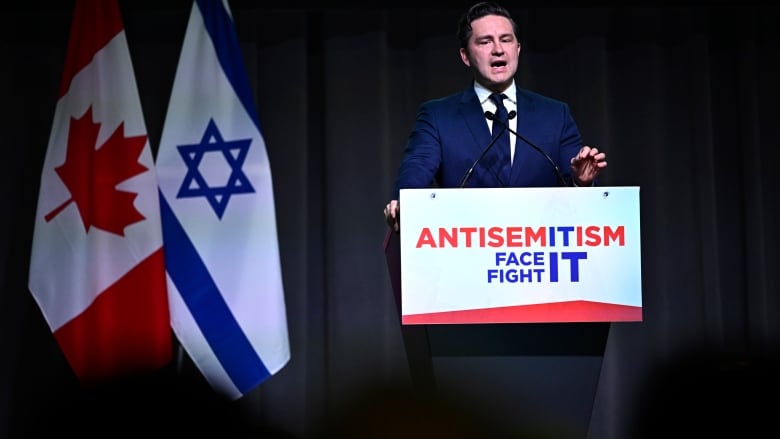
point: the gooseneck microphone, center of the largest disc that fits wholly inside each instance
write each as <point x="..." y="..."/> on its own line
<point x="493" y="117"/>
<point x="505" y="127"/>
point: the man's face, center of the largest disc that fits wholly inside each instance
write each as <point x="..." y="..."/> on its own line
<point x="492" y="51"/>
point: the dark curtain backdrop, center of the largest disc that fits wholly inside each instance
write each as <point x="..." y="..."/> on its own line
<point x="683" y="98"/>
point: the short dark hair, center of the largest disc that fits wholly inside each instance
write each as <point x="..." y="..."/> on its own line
<point x="480" y="10"/>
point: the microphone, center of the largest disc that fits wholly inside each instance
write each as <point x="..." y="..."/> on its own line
<point x="505" y="127"/>
<point x="493" y="117"/>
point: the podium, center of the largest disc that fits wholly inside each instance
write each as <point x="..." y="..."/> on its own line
<point x="523" y="347"/>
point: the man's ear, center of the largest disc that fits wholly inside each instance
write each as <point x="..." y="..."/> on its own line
<point x="464" y="56"/>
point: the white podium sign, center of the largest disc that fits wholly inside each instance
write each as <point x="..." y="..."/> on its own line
<point x="504" y="255"/>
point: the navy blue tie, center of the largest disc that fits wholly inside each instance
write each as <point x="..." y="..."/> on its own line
<point x="502" y="144"/>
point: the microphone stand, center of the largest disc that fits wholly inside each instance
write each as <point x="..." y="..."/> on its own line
<point x="493" y="117"/>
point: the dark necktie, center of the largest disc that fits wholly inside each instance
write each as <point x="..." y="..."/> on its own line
<point x="502" y="144"/>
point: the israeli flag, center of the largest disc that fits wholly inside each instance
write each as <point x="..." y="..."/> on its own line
<point x="217" y="207"/>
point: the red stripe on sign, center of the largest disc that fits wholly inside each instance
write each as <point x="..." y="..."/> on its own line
<point x="559" y="312"/>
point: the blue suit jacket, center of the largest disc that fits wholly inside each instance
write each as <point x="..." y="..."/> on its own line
<point x="450" y="133"/>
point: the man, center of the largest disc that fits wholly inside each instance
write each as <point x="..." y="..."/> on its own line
<point x="451" y="134"/>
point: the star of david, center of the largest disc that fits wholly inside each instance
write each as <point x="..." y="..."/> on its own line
<point x="195" y="185"/>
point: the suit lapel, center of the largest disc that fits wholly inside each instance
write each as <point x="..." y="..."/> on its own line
<point x="474" y="119"/>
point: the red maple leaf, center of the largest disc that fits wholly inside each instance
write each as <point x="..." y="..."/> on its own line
<point x="92" y="175"/>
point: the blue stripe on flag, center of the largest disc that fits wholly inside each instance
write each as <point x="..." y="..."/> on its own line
<point x="219" y="26"/>
<point x="208" y="308"/>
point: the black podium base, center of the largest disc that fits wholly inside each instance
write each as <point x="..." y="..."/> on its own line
<point x="538" y="380"/>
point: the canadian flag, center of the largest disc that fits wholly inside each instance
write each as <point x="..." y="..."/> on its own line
<point x="97" y="267"/>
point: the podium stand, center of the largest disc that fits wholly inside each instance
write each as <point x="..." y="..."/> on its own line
<point x="529" y="376"/>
